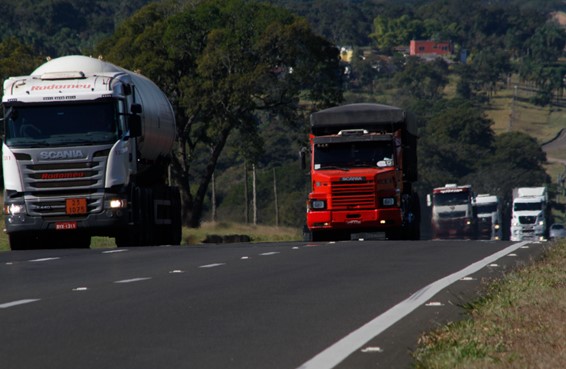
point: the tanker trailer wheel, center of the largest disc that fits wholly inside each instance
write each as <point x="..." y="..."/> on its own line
<point x="22" y="241"/>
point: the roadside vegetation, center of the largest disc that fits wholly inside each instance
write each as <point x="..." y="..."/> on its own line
<point x="197" y="236"/>
<point x="476" y="127"/>
<point x="519" y="323"/>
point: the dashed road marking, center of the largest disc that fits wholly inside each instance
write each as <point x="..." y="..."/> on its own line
<point x="212" y="265"/>
<point x="43" y="259"/>
<point x="114" y="251"/>
<point x="16" y="303"/>
<point x="270" y="253"/>
<point x="132" y="280"/>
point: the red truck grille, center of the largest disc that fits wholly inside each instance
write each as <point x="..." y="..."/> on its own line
<point x="353" y="195"/>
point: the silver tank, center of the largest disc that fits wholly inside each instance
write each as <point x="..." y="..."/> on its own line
<point x="158" y="118"/>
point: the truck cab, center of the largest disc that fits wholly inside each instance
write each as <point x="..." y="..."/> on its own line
<point x="488" y="209"/>
<point x="453" y="212"/>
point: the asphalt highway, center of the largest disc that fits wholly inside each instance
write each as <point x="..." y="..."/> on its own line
<point x="239" y="306"/>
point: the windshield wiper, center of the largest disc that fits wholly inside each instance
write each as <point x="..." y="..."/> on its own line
<point x="334" y="167"/>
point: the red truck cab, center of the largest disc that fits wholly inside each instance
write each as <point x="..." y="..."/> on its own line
<point x="363" y="164"/>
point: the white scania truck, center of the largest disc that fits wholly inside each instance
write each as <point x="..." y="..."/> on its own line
<point x="85" y="153"/>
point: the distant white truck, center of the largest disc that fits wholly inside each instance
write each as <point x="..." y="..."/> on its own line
<point x="488" y="211"/>
<point x="529" y="219"/>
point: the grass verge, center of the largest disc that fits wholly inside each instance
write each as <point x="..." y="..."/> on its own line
<point x="191" y="236"/>
<point x="519" y="323"/>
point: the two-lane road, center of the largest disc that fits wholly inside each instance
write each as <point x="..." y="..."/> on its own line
<point x="239" y="306"/>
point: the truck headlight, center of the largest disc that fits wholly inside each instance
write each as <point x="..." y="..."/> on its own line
<point x="14" y="209"/>
<point x="497" y="226"/>
<point x="318" y="204"/>
<point x="118" y="203"/>
<point x="388" y="201"/>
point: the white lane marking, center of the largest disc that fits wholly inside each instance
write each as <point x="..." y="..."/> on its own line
<point x="371" y="349"/>
<point x="212" y="265"/>
<point x="132" y="280"/>
<point x="270" y="253"/>
<point x="114" y="251"/>
<point x="176" y="271"/>
<point x="340" y="350"/>
<point x="79" y="289"/>
<point x="43" y="259"/>
<point x="16" y="303"/>
<point x="434" y="303"/>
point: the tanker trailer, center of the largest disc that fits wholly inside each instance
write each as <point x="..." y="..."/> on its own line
<point x="85" y="153"/>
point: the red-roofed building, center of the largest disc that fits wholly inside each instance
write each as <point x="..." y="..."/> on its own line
<point x="428" y="47"/>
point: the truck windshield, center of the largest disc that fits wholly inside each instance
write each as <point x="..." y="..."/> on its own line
<point x="61" y="125"/>
<point x="450" y="198"/>
<point x="353" y="154"/>
<point x="486" y="208"/>
<point x="522" y="206"/>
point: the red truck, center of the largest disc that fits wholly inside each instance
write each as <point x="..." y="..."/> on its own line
<point x="363" y="164"/>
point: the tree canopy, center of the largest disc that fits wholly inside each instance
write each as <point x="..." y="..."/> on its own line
<point x="227" y="65"/>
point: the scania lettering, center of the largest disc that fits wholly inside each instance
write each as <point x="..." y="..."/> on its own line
<point x="85" y="153"/>
<point x="67" y="154"/>
<point x="363" y="165"/>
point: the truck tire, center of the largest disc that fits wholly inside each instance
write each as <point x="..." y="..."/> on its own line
<point x="21" y="241"/>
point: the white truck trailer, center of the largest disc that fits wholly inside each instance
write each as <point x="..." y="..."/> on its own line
<point x="85" y="153"/>
<point x="488" y="211"/>
<point x="529" y="219"/>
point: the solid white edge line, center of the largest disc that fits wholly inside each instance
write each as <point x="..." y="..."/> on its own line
<point x="132" y="280"/>
<point x="340" y="350"/>
<point x="16" y="303"/>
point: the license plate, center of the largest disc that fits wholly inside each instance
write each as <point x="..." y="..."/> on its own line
<point x="76" y="206"/>
<point x="65" y="225"/>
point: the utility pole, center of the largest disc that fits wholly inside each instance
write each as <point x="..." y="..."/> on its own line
<point x="213" y="195"/>
<point x="246" y="199"/>
<point x="254" y="194"/>
<point x="275" y="196"/>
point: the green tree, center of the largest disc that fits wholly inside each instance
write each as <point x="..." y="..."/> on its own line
<point x="423" y="80"/>
<point x="225" y="63"/>
<point x="454" y="143"/>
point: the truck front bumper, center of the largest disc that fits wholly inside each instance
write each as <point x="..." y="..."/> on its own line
<point x="99" y="224"/>
<point x="378" y="219"/>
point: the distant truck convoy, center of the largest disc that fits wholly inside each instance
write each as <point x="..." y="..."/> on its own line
<point x="453" y="212"/>
<point x="363" y="162"/>
<point x="488" y="211"/>
<point x="530" y="212"/>
<point x="85" y="153"/>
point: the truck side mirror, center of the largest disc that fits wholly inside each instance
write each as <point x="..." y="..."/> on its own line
<point x="134" y="122"/>
<point x="303" y="156"/>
